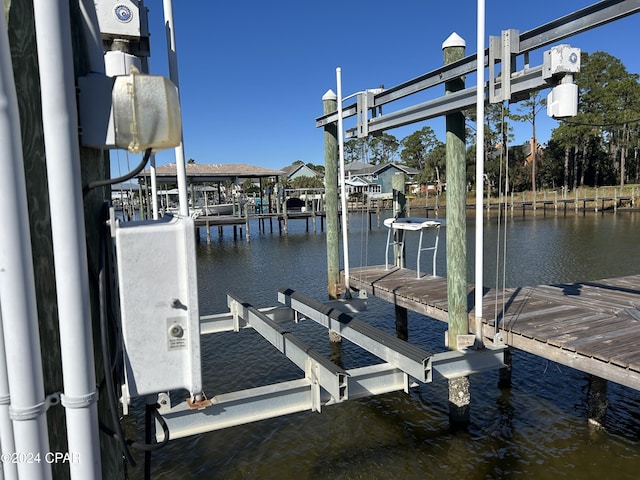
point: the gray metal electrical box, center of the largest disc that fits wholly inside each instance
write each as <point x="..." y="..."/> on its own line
<point x="121" y="18"/>
<point x="159" y="305"/>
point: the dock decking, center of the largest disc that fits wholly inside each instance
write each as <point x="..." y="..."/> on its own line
<point x="590" y="326"/>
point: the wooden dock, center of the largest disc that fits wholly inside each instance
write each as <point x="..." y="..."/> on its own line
<point x="264" y="220"/>
<point x="591" y="326"/>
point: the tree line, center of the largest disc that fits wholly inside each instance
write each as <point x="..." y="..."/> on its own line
<point x="600" y="146"/>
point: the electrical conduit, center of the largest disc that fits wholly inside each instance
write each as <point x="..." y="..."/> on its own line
<point x="55" y="59"/>
<point x="17" y="289"/>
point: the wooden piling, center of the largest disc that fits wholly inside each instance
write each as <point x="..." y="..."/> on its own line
<point x="399" y="210"/>
<point x="330" y="105"/>
<point x="94" y="166"/>
<point x="597" y="401"/>
<point x="459" y="399"/>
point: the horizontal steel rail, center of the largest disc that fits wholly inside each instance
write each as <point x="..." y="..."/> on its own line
<point x="325" y="383"/>
<point x="227" y="322"/>
<point x="408" y="358"/>
<point x="321" y="371"/>
<point x="564" y="27"/>
<point x="260" y="403"/>
<point x="454" y="102"/>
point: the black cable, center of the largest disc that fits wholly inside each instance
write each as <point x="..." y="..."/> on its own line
<point x="110" y="364"/>
<point x="148" y="411"/>
<point x="584" y="124"/>
<point x="106" y="350"/>
<point x="150" y="447"/>
<point x="144" y="446"/>
<point x="112" y="181"/>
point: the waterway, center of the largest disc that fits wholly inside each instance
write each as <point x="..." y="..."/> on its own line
<point x="536" y="429"/>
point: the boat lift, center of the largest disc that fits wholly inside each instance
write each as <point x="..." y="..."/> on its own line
<point x="403" y="366"/>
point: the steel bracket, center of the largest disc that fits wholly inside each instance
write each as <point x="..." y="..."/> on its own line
<point x="502" y="49"/>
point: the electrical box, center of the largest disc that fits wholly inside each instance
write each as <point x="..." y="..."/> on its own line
<point x="135" y="111"/>
<point x="157" y="277"/>
<point x="560" y="60"/>
<point x="562" y="101"/>
<point x="121" y="18"/>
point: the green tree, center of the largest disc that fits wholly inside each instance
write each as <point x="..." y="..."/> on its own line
<point x="383" y="149"/>
<point x="601" y="142"/>
<point x="529" y="110"/>
<point x="416" y="146"/>
<point x="356" y="150"/>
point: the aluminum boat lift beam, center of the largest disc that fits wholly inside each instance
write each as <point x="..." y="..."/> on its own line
<point x="324" y="382"/>
<point x="521" y="82"/>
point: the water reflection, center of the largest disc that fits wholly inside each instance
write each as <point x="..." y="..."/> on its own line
<point x="536" y="429"/>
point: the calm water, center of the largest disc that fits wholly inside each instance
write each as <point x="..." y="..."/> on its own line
<point x="536" y="429"/>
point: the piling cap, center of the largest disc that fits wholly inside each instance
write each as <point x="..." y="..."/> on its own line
<point x="454" y="40"/>
<point x="329" y="95"/>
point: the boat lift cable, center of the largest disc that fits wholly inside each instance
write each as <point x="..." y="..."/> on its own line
<point x="503" y="189"/>
<point x="123" y="178"/>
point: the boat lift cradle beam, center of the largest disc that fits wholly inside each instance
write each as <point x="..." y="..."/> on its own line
<point x="325" y="383"/>
<point x="572" y="24"/>
<point x="407" y="357"/>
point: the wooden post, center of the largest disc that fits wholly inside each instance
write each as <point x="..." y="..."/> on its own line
<point x="504" y="379"/>
<point x="94" y="166"/>
<point x="246" y="223"/>
<point x="597" y="401"/>
<point x="399" y="210"/>
<point x="330" y="104"/>
<point x="459" y="399"/>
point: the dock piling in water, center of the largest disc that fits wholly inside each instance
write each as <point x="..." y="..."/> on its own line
<point x="454" y="49"/>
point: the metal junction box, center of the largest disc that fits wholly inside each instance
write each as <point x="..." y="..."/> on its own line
<point x="159" y="305"/>
<point x="121" y="18"/>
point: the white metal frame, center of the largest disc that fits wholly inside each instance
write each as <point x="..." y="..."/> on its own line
<point x="413" y="224"/>
<point x="404" y="366"/>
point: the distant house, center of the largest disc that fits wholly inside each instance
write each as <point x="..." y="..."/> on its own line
<point x="300" y="170"/>
<point x="363" y="177"/>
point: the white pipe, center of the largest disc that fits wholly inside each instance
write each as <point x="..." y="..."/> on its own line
<point x="10" y="470"/>
<point x="479" y="261"/>
<point x="181" y="169"/>
<point x="17" y="285"/>
<point x="343" y="186"/>
<point x="55" y="59"/>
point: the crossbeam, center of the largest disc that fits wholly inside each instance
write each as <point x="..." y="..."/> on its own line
<point x="564" y="27"/>
<point x="260" y="403"/>
<point x="228" y="322"/>
<point x="409" y="358"/>
<point x="318" y="369"/>
<point x="324" y="383"/>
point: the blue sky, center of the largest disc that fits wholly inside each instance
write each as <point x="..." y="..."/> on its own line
<point x="252" y="73"/>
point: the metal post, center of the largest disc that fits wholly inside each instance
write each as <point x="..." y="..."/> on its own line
<point x="181" y="168"/>
<point x="454" y="49"/>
